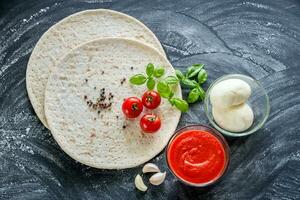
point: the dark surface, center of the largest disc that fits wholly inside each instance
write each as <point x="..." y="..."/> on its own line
<point x="256" y="38"/>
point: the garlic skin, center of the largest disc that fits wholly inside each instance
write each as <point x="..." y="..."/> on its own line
<point x="157" y="178"/>
<point x="150" y="167"/>
<point x="139" y="183"/>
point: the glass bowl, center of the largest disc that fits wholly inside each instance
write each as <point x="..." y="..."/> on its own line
<point x="214" y="133"/>
<point x="258" y="101"/>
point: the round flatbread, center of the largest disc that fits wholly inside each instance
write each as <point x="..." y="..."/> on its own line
<point x="69" y="33"/>
<point x="104" y="138"/>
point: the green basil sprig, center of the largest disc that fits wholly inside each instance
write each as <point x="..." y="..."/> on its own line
<point x="151" y="73"/>
<point x="192" y="79"/>
<point x="163" y="85"/>
<point x="196" y="93"/>
<point x="194" y="70"/>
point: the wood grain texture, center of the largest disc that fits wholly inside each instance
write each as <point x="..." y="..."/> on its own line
<point x="256" y="38"/>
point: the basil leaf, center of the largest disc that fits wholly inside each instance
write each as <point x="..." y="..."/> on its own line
<point x="194" y="70"/>
<point x="171" y="94"/>
<point x="138" y="79"/>
<point x="202" y="76"/>
<point x="179" y="74"/>
<point x="150" y="83"/>
<point x="201" y="93"/>
<point x="163" y="89"/>
<point x="193" y="95"/>
<point x="189" y="83"/>
<point x="180" y="104"/>
<point x="162" y="86"/>
<point x="150" y="69"/>
<point x="171" y="101"/>
<point x="171" y="80"/>
<point x="164" y="95"/>
<point x="158" y="72"/>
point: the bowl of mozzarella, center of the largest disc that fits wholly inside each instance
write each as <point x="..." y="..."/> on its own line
<point x="237" y="105"/>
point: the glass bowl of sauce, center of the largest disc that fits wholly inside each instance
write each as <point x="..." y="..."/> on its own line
<point x="197" y="155"/>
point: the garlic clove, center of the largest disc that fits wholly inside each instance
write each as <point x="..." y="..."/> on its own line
<point x="157" y="178"/>
<point x="150" y="167"/>
<point x="139" y="183"/>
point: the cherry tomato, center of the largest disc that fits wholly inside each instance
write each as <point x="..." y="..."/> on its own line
<point x="132" y="107"/>
<point x="150" y="123"/>
<point x="151" y="99"/>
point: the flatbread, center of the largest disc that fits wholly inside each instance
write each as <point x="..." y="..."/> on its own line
<point x="99" y="139"/>
<point x="69" y="33"/>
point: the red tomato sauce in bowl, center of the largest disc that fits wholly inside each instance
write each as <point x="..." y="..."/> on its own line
<point x="198" y="155"/>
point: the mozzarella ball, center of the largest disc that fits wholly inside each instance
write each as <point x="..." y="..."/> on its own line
<point x="235" y="119"/>
<point x="229" y="93"/>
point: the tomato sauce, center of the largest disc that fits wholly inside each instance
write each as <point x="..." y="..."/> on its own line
<point x="197" y="156"/>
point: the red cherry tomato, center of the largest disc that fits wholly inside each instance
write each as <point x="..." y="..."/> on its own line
<point x="150" y="123"/>
<point x="132" y="107"/>
<point x="151" y="99"/>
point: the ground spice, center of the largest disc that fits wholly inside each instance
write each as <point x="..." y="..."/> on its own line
<point x="100" y="103"/>
<point x="123" y="80"/>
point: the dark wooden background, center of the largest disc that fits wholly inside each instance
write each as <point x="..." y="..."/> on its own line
<point x="256" y="38"/>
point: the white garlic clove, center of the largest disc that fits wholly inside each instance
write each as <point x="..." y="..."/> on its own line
<point x="150" y="167"/>
<point x="157" y="178"/>
<point x="139" y="183"/>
